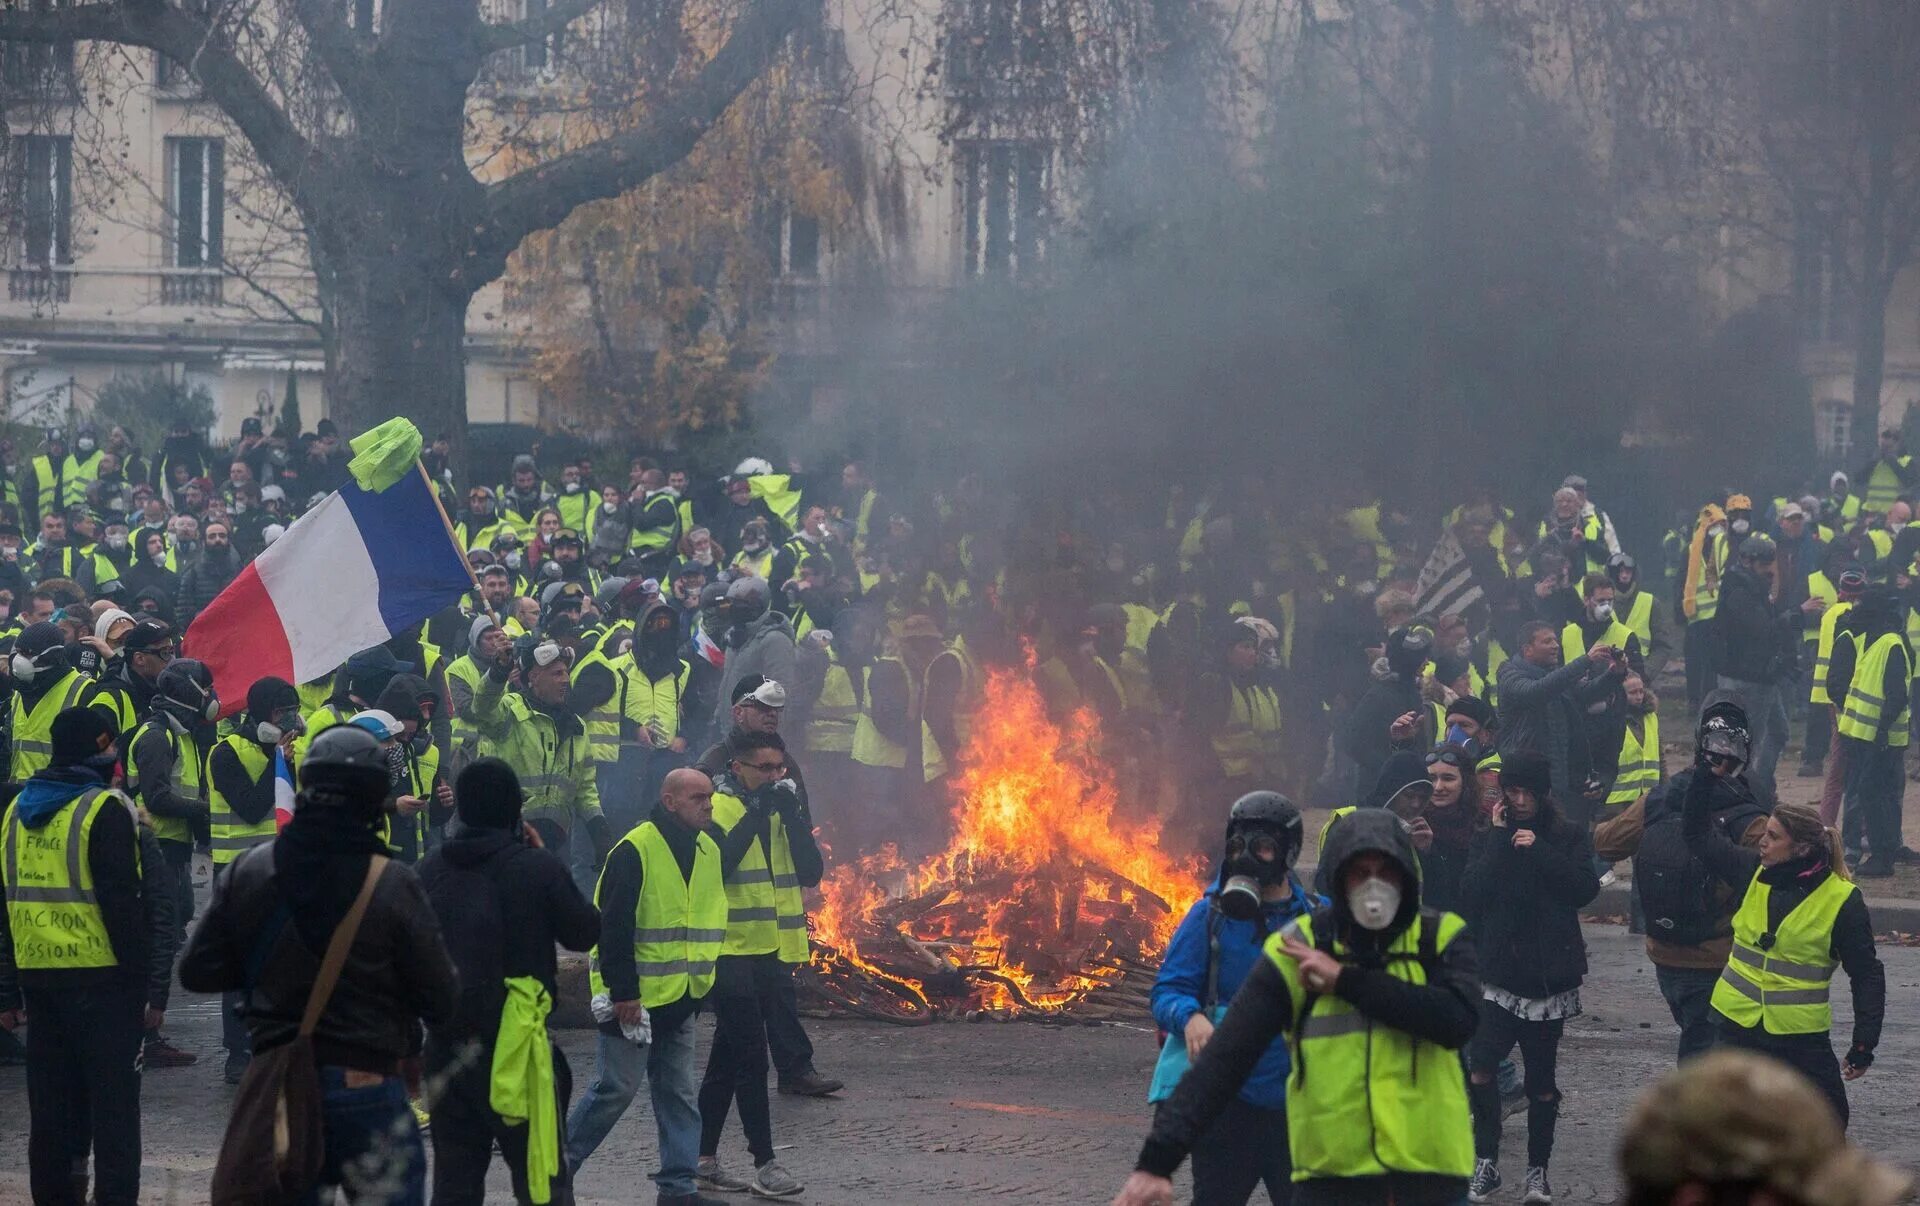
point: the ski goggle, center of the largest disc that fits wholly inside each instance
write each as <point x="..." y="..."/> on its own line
<point x="548" y="652"/>
<point x="1452" y="758"/>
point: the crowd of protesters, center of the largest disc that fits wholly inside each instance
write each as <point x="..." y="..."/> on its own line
<point x="672" y="697"/>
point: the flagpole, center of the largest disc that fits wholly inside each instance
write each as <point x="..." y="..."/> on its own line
<point x="434" y="494"/>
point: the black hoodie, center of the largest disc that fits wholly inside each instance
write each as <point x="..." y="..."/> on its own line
<point x="1444" y="1013"/>
<point x="503" y="905"/>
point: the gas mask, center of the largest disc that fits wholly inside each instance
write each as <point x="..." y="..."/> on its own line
<point x="86" y="445"/>
<point x="284" y="724"/>
<point x="570" y="488"/>
<point x="1249" y="874"/>
<point x="187" y="712"/>
<point x="511" y="559"/>
<point x="1740" y="527"/>
<point x="1374" y="904"/>
<point x="116" y="543"/>
<point x="1602" y="611"/>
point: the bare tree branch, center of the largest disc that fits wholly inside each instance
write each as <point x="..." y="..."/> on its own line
<point x="539" y="198"/>
<point x="184" y="38"/>
<point x="345" y="62"/>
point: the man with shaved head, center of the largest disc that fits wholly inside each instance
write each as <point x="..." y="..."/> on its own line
<point x="663" y="908"/>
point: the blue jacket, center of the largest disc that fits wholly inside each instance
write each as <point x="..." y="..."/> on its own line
<point x="1183" y="978"/>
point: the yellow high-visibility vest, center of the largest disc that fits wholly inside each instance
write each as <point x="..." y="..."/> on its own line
<point x="1823" y="650"/>
<point x="871" y="747"/>
<point x="1783" y="986"/>
<point x="1819" y="586"/>
<point x="765" y="912"/>
<point x="53" y="908"/>
<point x="637" y="699"/>
<point x="1639" y="618"/>
<point x="1639" y="762"/>
<point x="679" y="922"/>
<point x="836" y="714"/>
<point x="1250" y="740"/>
<point x="33" y="730"/>
<point x="1365" y="1099"/>
<point x="1860" y="715"/>
<point x="1883" y="487"/>
<point x="232" y="836"/>
<point x="188" y="778"/>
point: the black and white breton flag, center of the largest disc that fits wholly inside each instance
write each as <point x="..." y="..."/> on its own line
<point x="1447" y="586"/>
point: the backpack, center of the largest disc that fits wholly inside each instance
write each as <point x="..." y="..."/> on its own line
<point x="1679" y="897"/>
<point x="275" y="1146"/>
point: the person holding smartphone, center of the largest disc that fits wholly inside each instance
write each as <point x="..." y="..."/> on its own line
<point x="1528" y="875"/>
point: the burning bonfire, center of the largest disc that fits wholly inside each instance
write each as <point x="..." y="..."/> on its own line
<point x="1045" y="900"/>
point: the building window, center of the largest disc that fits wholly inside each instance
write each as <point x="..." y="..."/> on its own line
<point x="792" y="243"/>
<point x="1817" y="266"/>
<point x="36" y="69"/>
<point x="997" y="38"/>
<point x="535" y="56"/>
<point x="363" y="16"/>
<point x="198" y="195"/>
<point x="43" y="180"/>
<point x="1003" y="199"/>
<point x="1833" y="430"/>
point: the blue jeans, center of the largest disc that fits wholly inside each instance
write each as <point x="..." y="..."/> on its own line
<point x="1689" y="994"/>
<point x="667" y="1065"/>
<point x="373" y="1145"/>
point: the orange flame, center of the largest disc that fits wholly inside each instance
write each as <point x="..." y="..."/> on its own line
<point x="1042" y="880"/>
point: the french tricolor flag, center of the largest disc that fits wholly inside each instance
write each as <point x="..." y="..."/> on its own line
<point x="283" y="794"/>
<point x="349" y="574"/>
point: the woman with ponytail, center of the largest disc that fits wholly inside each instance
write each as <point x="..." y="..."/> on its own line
<point x="1802" y="918"/>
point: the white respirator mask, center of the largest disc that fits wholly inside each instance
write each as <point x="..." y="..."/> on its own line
<point x="1374" y="904"/>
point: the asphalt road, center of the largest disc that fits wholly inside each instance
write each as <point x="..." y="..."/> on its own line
<point x="1020" y="1112"/>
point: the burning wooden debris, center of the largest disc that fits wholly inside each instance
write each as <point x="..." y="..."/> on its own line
<point x="1045" y="904"/>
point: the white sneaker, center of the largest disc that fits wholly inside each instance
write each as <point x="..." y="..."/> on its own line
<point x="772" y="1181"/>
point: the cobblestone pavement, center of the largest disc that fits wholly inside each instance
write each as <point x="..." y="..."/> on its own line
<point x="1026" y="1113"/>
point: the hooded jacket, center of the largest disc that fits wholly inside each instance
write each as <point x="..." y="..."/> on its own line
<point x="160" y="596"/>
<point x="503" y="906"/>
<point x="1444" y="1011"/>
<point x="763" y="646"/>
<point x="1524" y="904"/>
<point x="1179" y="989"/>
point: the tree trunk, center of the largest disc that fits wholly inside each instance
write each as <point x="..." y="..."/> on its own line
<point x="1876" y="274"/>
<point x="1869" y="367"/>
<point x="398" y="347"/>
